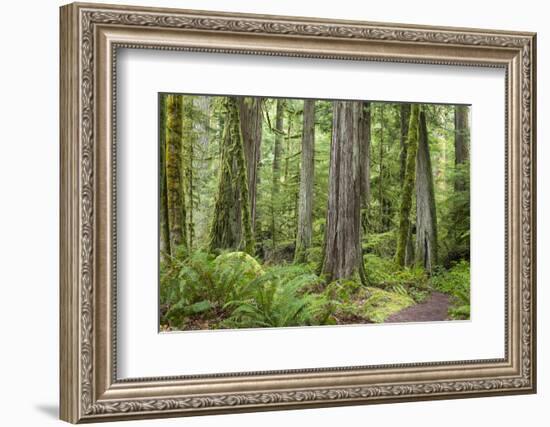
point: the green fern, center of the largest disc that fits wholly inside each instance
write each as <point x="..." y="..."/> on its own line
<point x="280" y="299"/>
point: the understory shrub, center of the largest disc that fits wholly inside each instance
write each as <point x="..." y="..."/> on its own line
<point x="380" y="244"/>
<point x="233" y="290"/>
<point x="280" y="298"/>
<point x="352" y="302"/>
<point x="456" y="283"/>
<point x="384" y="273"/>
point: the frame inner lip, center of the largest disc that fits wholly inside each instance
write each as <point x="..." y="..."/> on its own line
<point x="342" y="370"/>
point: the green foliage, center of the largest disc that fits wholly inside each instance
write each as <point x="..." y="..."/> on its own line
<point x="353" y="303"/>
<point x="455" y="282"/>
<point x="202" y="284"/>
<point x="380" y="244"/>
<point x="280" y="298"/>
<point x="381" y="304"/>
<point x="249" y="267"/>
<point x="456" y="218"/>
<point x="384" y="273"/>
<point x="232" y="290"/>
<point x="264" y="287"/>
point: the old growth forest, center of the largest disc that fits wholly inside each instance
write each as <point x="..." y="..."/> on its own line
<point x="289" y="212"/>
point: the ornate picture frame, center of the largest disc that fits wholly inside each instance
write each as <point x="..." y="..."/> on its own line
<point x="90" y="37"/>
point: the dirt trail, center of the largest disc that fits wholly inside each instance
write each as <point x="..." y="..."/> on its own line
<point x="434" y="308"/>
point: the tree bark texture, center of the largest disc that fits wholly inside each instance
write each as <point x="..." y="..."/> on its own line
<point x="342" y="257"/>
<point x="365" y="142"/>
<point x="462" y="141"/>
<point x="276" y="168"/>
<point x="163" y="195"/>
<point x="426" y="220"/>
<point x="231" y="226"/>
<point x="250" y="110"/>
<point x="405" y="113"/>
<point x="305" y="202"/>
<point x="189" y="139"/>
<point x="174" y="173"/>
<point x="404" y="117"/>
<point x="408" y="186"/>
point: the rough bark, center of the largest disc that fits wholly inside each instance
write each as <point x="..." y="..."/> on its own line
<point x="164" y="243"/>
<point x="174" y="173"/>
<point x="408" y="187"/>
<point x="462" y="141"/>
<point x="305" y="202"/>
<point x="342" y="255"/>
<point x="276" y="168"/>
<point x="365" y="142"/>
<point x="426" y="221"/>
<point x="189" y="139"/>
<point x="250" y="110"/>
<point x="231" y="226"/>
<point x="404" y="116"/>
<point x="381" y="169"/>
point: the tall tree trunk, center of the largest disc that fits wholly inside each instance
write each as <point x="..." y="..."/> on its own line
<point x="276" y="170"/>
<point x="287" y="148"/>
<point x="250" y="110"/>
<point x="342" y="257"/>
<point x="365" y="141"/>
<point x="462" y="140"/>
<point x="174" y="174"/>
<point x="426" y="221"/>
<point x="189" y="139"/>
<point x="404" y="116"/>
<point x="381" y="166"/>
<point x="408" y="187"/>
<point x="305" y="203"/>
<point x="231" y="226"/>
<point x="163" y="195"/>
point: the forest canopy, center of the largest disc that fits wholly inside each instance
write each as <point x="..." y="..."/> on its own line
<point x="288" y="212"/>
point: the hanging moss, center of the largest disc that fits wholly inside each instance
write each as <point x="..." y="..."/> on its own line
<point x="174" y="178"/>
<point x="231" y="226"/>
<point x="408" y="186"/>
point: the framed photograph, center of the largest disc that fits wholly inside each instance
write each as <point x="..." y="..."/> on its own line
<point x="266" y="212"/>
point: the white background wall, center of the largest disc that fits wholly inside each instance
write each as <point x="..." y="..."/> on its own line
<point x="29" y="170"/>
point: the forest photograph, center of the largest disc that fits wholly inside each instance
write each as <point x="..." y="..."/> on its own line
<point x="283" y="212"/>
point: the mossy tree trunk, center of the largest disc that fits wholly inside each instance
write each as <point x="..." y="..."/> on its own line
<point x="408" y="187"/>
<point x="189" y="139"/>
<point x="462" y="141"/>
<point x="174" y="174"/>
<point x="381" y="170"/>
<point x="305" y="203"/>
<point x="250" y="110"/>
<point x="426" y="221"/>
<point x="231" y="226"/>
<point x="276" y="168"/>
<point x="163" y="195"/>
<point x="342" y="254"/>
<point x="404" y="115"/>
<point x="365" y="143"/>
<point x="460" y="200"/>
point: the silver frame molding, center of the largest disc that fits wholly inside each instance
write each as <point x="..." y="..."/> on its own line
<point x="90" y="37"/>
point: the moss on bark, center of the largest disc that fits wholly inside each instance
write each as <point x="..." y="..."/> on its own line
<point x="408" y="186"/>
<point x="231" y="226"/>
<point x="174" y="176"/>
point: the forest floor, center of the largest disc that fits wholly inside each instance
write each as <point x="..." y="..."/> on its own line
<point x="435" y="308"/>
